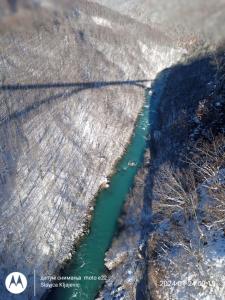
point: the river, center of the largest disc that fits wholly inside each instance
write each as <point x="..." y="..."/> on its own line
<point x="88" y="261"/>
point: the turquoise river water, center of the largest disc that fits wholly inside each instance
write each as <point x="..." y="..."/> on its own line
<point x="87" y="265"/>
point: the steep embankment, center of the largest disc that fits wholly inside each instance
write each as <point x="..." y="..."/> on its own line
<point x="60" y="139"/>
<point x="177" y="250"/>
<point x="186" y="249"/>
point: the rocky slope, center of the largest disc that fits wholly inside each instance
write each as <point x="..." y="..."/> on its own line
<point x="179" y="17"/>
<point x="72" y="84"/>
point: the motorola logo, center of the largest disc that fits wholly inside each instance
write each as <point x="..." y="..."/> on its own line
<point x="16" y="283"/>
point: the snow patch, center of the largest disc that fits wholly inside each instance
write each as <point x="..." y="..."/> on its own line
<point x="102" y="22"/>
<point x="164" y="56"/>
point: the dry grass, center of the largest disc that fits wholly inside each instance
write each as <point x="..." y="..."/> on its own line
<point x="174" y="191"/>
<point x="217" y="211"/>
<point x="183" y="191"/>
<point x="208" y="158"/>
<point x="208" y="167"/>
<point x="177" y="190"/>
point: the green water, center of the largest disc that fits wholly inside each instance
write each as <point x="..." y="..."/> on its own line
<point x="89" y="258"/>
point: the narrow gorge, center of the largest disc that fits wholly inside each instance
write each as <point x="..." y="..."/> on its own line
<point x="103" y="105"/>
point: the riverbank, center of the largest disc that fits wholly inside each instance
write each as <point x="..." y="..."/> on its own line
<point x="125" y="259"/>
<point x="88" y="261"/>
